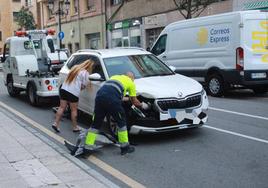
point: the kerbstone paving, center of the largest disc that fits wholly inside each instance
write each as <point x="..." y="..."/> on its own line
<point x="27" y="160"/>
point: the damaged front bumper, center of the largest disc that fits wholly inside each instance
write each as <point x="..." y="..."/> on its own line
<point x="173" y="119"/>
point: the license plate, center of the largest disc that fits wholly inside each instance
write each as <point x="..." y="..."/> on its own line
<point x="258" y="75"/>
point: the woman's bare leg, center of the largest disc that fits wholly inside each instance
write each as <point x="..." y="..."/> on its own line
<point x="61" y="109"/>
<point x="73" y="107"/>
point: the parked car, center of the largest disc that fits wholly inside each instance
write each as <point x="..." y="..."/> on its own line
<point x="178" y="102"/>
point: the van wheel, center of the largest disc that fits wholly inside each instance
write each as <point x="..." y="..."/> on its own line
<point x="31" y="92"/>
<point x="12" y="91"/>
<point x="260" y="90"/>
<point x="215" y="85"/>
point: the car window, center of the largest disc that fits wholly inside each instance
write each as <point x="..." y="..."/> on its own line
<point x="50" y="44"/>
<point x="140" y="65"/>
<point x="160" y="45"/>
<point x="6" y="50"/>
<point x="76" y="60"/>
<point x="97" y="68"/>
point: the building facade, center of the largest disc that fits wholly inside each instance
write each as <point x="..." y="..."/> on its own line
<point x="83" y="23"/>
<point x="139" y="22"/>
<point x="8" y="12"/>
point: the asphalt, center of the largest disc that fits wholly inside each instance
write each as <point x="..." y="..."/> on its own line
<point x="29" y="159"/>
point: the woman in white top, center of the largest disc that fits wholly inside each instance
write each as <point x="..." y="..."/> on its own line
<point x="77" y="80"/>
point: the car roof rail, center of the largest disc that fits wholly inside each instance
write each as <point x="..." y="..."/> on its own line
<point x="137" y="48"/>
<point x="89" y="50"/>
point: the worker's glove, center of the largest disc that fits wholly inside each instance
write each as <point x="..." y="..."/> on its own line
<point x="145" y="106"/>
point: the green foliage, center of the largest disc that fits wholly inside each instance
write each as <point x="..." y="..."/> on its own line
<point x="25" y="19"/>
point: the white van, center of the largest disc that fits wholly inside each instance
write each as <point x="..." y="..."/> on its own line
<point x="224" y="51"/>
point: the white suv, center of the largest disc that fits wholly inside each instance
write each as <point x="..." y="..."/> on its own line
<point x="178" y="102"/>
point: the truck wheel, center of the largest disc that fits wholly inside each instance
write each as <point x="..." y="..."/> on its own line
<point x="12" y="91"/>
<point x="260" y="90"/>
<point x="31" y="91"/>
<point x="215" y="85"/>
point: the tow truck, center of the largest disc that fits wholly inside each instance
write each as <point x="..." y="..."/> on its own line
<point x="27" y="65"/>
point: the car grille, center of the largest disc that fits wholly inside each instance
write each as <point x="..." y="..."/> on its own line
<point x="179" y="104"/>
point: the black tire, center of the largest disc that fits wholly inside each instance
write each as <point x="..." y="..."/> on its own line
<point x="12" y="91"/>
<point x="260" y="90"/>
<point x="113" y="128"/>
<point x="215" y="85"/>
<point x="32" y="96"/>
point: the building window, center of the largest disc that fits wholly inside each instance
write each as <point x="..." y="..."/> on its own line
<point x="15" y="16"/>
<point x="90" y="5"/>
<point x="93" y="41"/>
<point x="75" y="6"/>
<point x="0" y="35"/>
<point x="70" y="47"/>
<point x="49" y="13"/>
<point x="116" y="2"/>
<point x="16" y="0"/>
<point x="28" y="3"/>
<point x="76" y="46"/>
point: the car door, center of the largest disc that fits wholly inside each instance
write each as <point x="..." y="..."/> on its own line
<point x="75" y="60"/>
<point x="87" y="96"/>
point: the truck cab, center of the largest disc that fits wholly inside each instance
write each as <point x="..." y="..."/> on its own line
<point x="27" y="66"/>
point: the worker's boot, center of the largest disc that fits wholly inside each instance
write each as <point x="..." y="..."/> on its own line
<point x="123" y="140"/>
<point x="127" y="149"/>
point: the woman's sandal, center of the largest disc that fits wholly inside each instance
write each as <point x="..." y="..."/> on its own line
<point x="76" y="130"/>
<point x="56" y="129"/>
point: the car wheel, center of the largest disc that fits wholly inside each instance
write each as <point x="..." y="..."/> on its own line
<point x="12" y="91"/>
<point x="260" y="90"/>
<point x="31" y="91"/>
<point x="215" y="85"/>
<point x="113" y="128"/>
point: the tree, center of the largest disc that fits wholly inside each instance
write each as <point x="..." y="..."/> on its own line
<point x="192" y="8"/>
<point x="25" y="19"/>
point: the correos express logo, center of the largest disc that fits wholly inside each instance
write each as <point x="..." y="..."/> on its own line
<point x="202" y="36"/>
<point x="260" y="40"/>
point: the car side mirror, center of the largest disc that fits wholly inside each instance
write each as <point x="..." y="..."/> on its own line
<point x="95" y="77"/>
<point x="172" y="68"/>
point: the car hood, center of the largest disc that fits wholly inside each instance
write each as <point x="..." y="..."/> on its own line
<point x="177" y="85"/>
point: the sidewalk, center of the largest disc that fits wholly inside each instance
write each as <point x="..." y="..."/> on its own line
<point x="29" y="159"/>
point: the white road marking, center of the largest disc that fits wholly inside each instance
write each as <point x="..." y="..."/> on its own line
<point x="238" y="113"/>
<point x="109" y="169"/>
<point x="237" y="134"/>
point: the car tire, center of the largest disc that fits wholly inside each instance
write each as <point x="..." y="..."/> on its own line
<point x="215" y="85"/>
<point x="32" y="95"/>
<point x="113" y="128"/>
<point x="260" y="90"/>
<point x="12" y="91"/>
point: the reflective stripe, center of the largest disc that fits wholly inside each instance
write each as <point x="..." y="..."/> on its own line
<point x="124" y="128"/>
<point x="91" y="138"/>
<point x="123" y="137"/>
<point x="93" y="130"/>
<point x="115" y="86"/>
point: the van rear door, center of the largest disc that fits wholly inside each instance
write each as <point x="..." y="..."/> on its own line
<point x="255" y="43"/>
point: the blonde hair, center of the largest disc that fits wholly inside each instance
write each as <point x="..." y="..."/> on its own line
<point x="86" y="65"/>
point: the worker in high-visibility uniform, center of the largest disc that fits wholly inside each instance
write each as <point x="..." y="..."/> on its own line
<point x="108" y="101"/>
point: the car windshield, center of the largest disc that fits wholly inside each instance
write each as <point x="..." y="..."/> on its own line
<point x="140" y="65"/>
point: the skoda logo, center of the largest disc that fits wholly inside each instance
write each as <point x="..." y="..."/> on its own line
<point x="180" y="94"/>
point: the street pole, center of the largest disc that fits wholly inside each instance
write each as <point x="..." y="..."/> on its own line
<point x="59" y="12"/>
